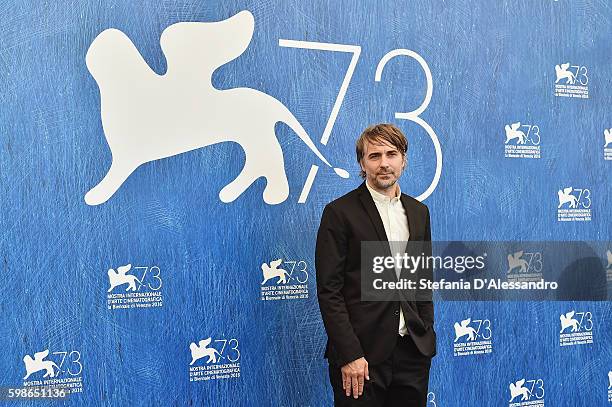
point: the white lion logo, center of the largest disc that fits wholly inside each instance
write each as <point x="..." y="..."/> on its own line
<point x="121" y="276"/>
<point x="512" y="132"/>
<point x="517" y="389"/>
<point x="514" y="261"/>
<point x="201" y="350"/>
<point x="273" y="271"/>
<point x="148" y="117"/>
<point x="38" y="363"/>
<point x="464" y="329"/>
<point x="563" y="73"/>
<point x="565" y="196"/>
<point x="568" y="320"/>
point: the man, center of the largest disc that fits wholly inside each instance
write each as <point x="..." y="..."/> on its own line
<point x="379" y="352"/>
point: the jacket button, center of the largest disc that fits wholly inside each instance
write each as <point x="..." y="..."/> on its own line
<point x="396" y="312"/>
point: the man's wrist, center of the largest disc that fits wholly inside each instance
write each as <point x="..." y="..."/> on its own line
<point x="351" y="358"/>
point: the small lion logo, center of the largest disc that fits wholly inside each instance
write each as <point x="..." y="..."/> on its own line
<point x="565" y="196"/>
<point x="513" y="132"/>
<point x="517" y="389"/>
<point x="568" y="320"/>
<point x="38" y="363"/>
<point x="515" y="261"/>
<point x="121" y="276"/>
<point x="272" y="271"/>
<point x="607" y="137"/>
<point x="463" y="329"/>
<point x="563" y="73"/>
<point x="202" y="350"/>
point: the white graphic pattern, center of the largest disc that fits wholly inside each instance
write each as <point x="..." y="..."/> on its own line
<point x="148" y="117"/>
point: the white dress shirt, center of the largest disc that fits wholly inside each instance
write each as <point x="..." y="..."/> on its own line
<point x="395" y="221"/>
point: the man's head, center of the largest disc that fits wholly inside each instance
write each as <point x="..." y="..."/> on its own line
<point x="381" y="153"/>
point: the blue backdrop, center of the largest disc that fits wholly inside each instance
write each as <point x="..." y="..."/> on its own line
<point x="198" y="260"/>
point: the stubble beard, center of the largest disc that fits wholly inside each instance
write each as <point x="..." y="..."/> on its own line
<point x="385" y="184"/>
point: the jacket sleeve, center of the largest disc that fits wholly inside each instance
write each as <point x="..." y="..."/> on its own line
<point x="330" y="260"/>
<point x="425" y="304"/>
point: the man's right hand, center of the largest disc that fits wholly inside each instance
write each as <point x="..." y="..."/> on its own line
<point x="354" y="374"/>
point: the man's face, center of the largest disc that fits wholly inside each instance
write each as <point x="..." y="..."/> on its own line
<point x="383" y="164"/>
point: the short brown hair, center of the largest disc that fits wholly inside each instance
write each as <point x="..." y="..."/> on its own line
<point x="383" y="132"/>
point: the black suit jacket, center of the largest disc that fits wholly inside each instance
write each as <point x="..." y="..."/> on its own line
<point x="369" y="328"/>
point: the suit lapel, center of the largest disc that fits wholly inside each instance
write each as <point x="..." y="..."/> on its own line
<point x="412" y="230"/>
<point x="410" y="217"/>
<point x="370" y="207"/>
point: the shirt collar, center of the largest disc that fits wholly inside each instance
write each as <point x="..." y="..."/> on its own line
<point x="378" y="197"/>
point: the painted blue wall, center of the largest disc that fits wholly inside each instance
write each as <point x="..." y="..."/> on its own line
<point x="492" y="63"/>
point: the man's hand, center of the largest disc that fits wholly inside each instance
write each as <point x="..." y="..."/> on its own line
<point x="354" y="375"/>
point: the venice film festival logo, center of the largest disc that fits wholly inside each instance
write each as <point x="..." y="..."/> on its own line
<point x="218" y="362"/>
<point x="572" y="81"/>
<point x="524" y="266"/>
<point x="576" y="328"/>
<point x="284" y="280"/>
<point x="134" y="287"/>
<point x="608" y="144"/>
<point x="574" y="205"/>
<point x="54" y="370"/>
<point x="525" y="393"/>
<point x="610" y="386"/>
<point x="522" y="141"/>
<point x="148" y="117"/>
<point x="472" y="337"/>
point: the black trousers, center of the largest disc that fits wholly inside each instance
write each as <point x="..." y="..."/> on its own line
<point x="399" y="381"/>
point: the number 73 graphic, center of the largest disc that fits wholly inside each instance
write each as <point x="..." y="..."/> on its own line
<point x="413" y="116"/>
